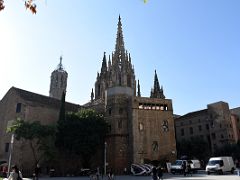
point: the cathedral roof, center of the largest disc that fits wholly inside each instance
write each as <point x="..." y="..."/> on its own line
<point x="46" y="100"/>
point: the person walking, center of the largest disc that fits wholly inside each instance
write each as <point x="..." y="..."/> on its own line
<point x="154" y="173"/>
<point x="111" y="175"/>
<point x="184" y="166"/>
<point x="15" y="174"/>
<point x="160" y="173"/>
<point x="37" y="171"/>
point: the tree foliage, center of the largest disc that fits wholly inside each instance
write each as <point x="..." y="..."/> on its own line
<point x="229" y="150"/>
<point x="39" y="137"/>
<point x="29" y="4"/>
<point x="197" y="147"/>
<point x="81" y="134"/>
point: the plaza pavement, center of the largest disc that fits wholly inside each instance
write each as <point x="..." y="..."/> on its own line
<point x="201" y="176"/>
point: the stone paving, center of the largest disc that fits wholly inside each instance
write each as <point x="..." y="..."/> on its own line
<point x="201" y="176"/>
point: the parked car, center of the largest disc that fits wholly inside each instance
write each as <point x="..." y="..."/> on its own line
<point x="176" y="167"/>
<point x="220" y="165"/>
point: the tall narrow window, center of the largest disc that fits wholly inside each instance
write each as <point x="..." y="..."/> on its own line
<point x="6" y="147"/>
<point x="18" y="108"/>
<point x="140" y="126"/>
<point x="182" y="132"/>
<point x="191" y="130"/>
<point x="120" y="124"/>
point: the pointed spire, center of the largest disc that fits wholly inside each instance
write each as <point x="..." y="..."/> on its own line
<point x="138" y="91"/>
<point x="60" y="66"/>
<point x="92" y="95"/>
<point x="156" y="92"/>
<point x="119" y="48"/>
<point x="104" y="63"/>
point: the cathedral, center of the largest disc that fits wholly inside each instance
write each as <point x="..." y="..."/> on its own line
<point x="141" y="128"/>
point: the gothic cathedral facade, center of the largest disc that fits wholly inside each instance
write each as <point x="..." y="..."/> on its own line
<point x="141" y="128"/>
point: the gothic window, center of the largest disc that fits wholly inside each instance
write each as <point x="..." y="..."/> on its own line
<point x="18" y="108"/>
<point x="162" y="108"/>
<point x="120" y="124"/>
<point x="62" y="81"/>
<point x="98" y="90"/>
<point x="213" y="136"/>
<point x="165" y="107"/>
<point x="191" y="130"/>
<point x="120" y="80"/>
<point x="140" y="126"/>
<point x="165" y="125"/>
<point x="200" y="128"/>
<point x="120" y="111"/>
<point x="140" y="106"/>
<point x="155" y="146"/>
<point x="182" y="132"/>
<point x="109" y="111"/>
<point x="129" y="81"/>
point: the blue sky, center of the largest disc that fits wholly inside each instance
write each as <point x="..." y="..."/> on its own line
<point x="193" y="44"/>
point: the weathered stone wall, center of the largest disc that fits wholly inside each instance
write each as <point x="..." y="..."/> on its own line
<point x="151" y="140"/>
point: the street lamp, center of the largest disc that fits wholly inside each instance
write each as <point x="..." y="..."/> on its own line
<point x="10" y="155"/>
<point x="105" y="158"/>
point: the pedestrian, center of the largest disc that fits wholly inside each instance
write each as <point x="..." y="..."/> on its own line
<point x="160" y="173"/>
<point x="184" y="166"/>
<point x="15" y="174"/>
<point x="98" y="173"/>
<point x="188" y="168"/>
<point x="37" y="171"/>
<point x="154" y="173"/>
<point x="111" y="175"/>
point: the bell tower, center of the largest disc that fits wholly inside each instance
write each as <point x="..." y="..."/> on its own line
<point x="58" y="83"/>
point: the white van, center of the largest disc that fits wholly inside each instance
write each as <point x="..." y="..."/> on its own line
<point x="220" y="165"/>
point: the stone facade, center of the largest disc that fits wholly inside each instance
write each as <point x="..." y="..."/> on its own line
<point x="18" y="103"/>
<point x="212" y="124"/>
<point x="142" y="128"/>
<point x="235" y="117"/>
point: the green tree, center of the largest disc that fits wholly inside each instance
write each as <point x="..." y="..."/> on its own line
<point x="229" y="150"/>
<point x="197" y="147"/>
<point x="81" y="134"/>
<point x="39" y="137"/>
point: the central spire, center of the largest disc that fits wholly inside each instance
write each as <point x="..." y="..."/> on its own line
<point x="119" y="48"/>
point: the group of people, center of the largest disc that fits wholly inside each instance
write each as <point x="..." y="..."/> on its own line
<point x="15" y="174"/>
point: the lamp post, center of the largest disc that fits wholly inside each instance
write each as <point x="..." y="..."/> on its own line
<point x="10" y="154"/>
<point x="105" y="158"/>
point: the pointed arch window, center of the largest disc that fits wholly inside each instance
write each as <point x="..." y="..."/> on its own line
<point x="129" y="81"/>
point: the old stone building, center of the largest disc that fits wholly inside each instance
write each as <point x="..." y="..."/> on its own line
<point x="142" y="128"/>
<point x="213" y="124"/>
<point x="235" y="117"/>
<point x="19" y="103"/>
